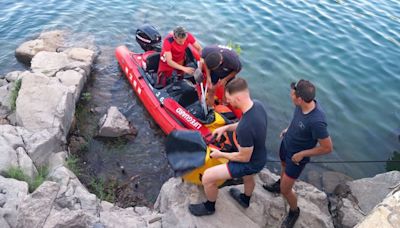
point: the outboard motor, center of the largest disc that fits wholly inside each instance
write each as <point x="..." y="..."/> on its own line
<point x="148" y="38"/>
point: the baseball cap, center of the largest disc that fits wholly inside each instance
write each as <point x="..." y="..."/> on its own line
<point x="213" y="59"/>
<point x="304" y="89"/>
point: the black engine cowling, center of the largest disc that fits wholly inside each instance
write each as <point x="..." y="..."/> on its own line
<point x="148" y="38"/>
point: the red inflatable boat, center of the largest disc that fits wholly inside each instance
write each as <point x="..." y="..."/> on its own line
<point x="176" y="106"/>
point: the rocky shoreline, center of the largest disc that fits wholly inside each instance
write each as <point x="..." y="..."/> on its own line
<point x="34" y="131"/>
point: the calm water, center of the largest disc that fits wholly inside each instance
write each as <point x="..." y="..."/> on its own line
<point x="349" y="49"/>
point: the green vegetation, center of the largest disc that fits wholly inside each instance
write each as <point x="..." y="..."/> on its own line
<point x="18" y="174"/>
<point x="72" y="164"/>
<point x="14" y="94"/>
<point x="104" y="191"/>
<point x="395" y="165"/>
<point x="235" y="47"/>
<point x="86" y="96"/>
<point x="39" y="179"/>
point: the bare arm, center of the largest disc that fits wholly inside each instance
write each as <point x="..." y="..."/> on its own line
<point x="243" y="155"/>
<point x="197" y="46"/>
<point x="219" y="131"/>
<point x="172" y="63"/>
<point x="325" y="146"/>
<point x="229" y="77"/>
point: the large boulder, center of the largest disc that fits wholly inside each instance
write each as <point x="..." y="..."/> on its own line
<point x="25" y="163"/>
<point x="114" y="217"/>
<point x="266" y="209"/>
<point x="35" y="209"/>
<point x="12" y="153"/>
<point x="40" y="145"/>
<point x="47" y="41"/>
<point x="386" y="213"/>
<point x="371" y="191"/>
<point x="49" y="63"/>
<point x="115" y="124"/>
<point x="12" y="193"/>
<point x="74" y="80"/>
<point x="44" y="103"/>
<point x="5" y="96"/>
<point x="352" y="201"/>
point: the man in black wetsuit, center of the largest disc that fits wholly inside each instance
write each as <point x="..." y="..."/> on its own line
<point x="251" y="133"/>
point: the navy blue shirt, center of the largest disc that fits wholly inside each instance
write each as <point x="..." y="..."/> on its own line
<point x="231" y="62"/>
<point x="252" y="132"/>
<point x="305" y="130"/>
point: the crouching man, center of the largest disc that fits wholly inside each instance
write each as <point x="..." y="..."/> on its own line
<point x="251" y="133"/>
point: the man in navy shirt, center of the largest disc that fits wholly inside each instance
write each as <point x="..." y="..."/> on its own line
<point x="222" y="64"/>
<point x="306" y="136"/>
<point x="251" y="132"/>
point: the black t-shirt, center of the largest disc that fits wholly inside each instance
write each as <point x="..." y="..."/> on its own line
<point x="252" y="132"/>
<point x="305" y="130"/>
<point x="231" y="62"/>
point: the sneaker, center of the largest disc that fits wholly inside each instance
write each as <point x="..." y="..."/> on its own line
<point x="199" y="210"/>
<point x="274" y="188"/>
<point x="239" y="197"/>
<point x="291" y="218"/>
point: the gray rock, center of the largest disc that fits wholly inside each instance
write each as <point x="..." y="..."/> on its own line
<point x="8" y="156"/>
<point x="13" y="193"/>
<point x="44" y="103"/>
<point x="371" y="191"/>
<point x="386" y="213"/>
<point x="57" y="160"/>
<point x="115" y="217"/>
<point x="350" y="213"/>
<point x="3" y="82"/>
<point x="35" y="209"/>
<point x="70" y="218"/>
<point x="41" y="144"/>
<point x="12" y="119"/>
<point x="331" y="179"/>
<point x="49" y="63"/>
<point x="25" y="163"/>
<point x="266" y="209"/>
<point x="5" y="96"/>
<point x="114" y="124"/>
<point x="14" y="76"/>
<point x="73" y="80"/>
<point x="47" y="41"/>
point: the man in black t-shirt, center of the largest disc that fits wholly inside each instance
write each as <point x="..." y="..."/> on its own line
<point x="251" y="133"/>
<point x="307" y="129"/>
<point x="222" y="64"/>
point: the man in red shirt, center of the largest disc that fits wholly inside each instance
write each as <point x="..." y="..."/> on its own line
<point x="173" y="54"/>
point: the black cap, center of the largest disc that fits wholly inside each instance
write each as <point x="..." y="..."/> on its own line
<point x="213" y="60"/>
<point x="180" y="32"/>
<point x="304" y="89"/>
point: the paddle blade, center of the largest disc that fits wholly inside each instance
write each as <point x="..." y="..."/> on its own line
<point x="186" y="150"/>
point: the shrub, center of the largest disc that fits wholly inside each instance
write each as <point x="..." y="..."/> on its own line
<point x="14" y="94"/>
<point x="18" y="174"/>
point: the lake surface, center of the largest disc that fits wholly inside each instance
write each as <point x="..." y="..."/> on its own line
<point x="349" y="49"/>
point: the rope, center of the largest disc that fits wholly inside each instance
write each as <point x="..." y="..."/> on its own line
<point x="372" y="161"/>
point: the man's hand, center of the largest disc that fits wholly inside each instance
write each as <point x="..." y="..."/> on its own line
<point x="296" y="158"/>
<point x="215" y="153"/>
<point x="188" y="70"/>
<point x="218" y="132"/>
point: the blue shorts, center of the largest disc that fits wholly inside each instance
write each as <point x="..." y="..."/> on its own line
<point x="292" y="170"/>
<point x="238" y="169"/>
